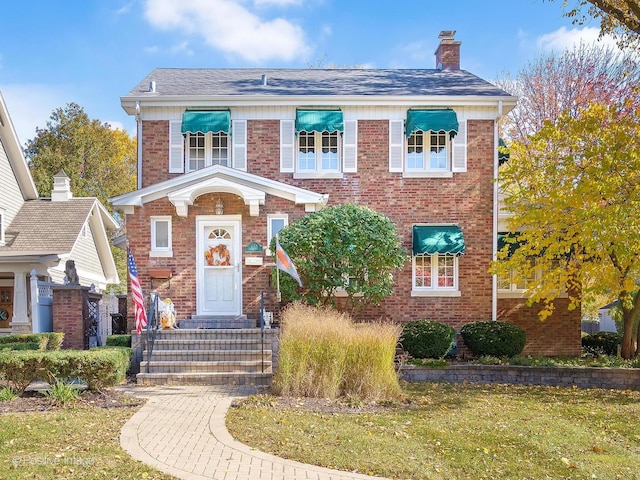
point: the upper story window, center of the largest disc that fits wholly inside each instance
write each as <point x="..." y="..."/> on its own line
<point x="207" y="137"/>
<point x="427" y="143"/>
<point x="435" y="260"/>
<point x="318" y="144"/>
<point x="161" y="242"/>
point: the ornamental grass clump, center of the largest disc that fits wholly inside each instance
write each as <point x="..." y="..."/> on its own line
<point x="324" y="354"/>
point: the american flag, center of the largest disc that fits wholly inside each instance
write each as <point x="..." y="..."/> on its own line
<point x="136" y="293"/>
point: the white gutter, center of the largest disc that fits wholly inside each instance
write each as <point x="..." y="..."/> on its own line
<point x="139" y="147"/>
<point x="496" y="156"/>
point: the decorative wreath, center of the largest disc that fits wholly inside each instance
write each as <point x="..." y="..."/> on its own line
<point x="218" y="256"/>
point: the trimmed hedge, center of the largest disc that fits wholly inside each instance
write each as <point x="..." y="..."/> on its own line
<point x="118" y="341"/>
<point x="427" y="339"/>
<point x="98" y="368"/>
<point x="45" y="341"/>
<point x="602" y="343"/>
<point x="20" y="346"/>
<point x="497" y="339"/>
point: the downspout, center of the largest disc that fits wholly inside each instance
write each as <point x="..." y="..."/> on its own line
<point x="494" y="282"/>
<point x="139" y="145"/>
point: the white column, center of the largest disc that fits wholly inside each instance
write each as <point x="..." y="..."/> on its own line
<point x="20" y="320"/>
<point x="35" y="313"/>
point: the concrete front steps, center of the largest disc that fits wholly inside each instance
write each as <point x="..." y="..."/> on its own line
<point x="208" y="356"/>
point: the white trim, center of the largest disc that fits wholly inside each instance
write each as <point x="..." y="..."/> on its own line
<point x="396" y="145"/>
<point x="287" y="146"/>
<point x="154" y="250"/>
<point x="434" y="290"/>
<point x="270" y="234"/>
<point x="176" y="147"/>
<point x="459" y="148"/>
<point x="239" y="144"/>
<point x="350" y="146"/>
<point x="436" y="293"/>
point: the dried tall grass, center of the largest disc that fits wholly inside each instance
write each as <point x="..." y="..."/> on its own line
<point x="324" y="354"/>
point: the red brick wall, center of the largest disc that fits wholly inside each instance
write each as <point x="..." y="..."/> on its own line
<point x="68" y="305"/>
<point x="557" y="335"/>
<point x="465" y="199"/>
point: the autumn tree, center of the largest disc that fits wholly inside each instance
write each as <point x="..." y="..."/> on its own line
<point x="573" y="190"/>
<point x="566" y="82"/>
<point x="99" y="161"/>
<point x="618" y="18"/>
<point x="345" y="247"/>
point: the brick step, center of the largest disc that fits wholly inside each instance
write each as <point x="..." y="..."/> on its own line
<point x="206" y="355"/>
<point x="209" y="378"/>
<point x="234" y="366"/>
<point x="211" y="344"/>
<point x="234" y="322"/>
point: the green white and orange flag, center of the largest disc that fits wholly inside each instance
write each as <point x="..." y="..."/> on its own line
<point x="284" y="263"/>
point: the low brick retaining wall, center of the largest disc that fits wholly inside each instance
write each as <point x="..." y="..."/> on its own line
<point x="582" y="377"/>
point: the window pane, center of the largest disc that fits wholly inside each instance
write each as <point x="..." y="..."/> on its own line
<point x="446" y="271"/>
<point x="277" y="224"/>
<point x="196" y="151"/>
<point x="306" y="151"/>
<point x="438" y="151"/>
<point x="330" y="151"/>
<point x="422" y="271"/>
<point x="162" y="234"/>
<point x="219" y="149"/>
<point x="415" y="151"/>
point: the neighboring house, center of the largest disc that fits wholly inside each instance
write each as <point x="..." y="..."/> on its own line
<point x="605" y="322"/>
<point x="227" y="157"/>
<point x="38" y="236"/>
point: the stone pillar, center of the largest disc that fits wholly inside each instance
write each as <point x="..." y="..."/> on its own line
<point x="35" y="314"/>
<point x="69" y="305"/>
<point x="20" y="321"/>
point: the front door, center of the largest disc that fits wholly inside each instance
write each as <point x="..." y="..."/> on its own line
<point x="219" y="261"/>
<point x="6" y="306"/>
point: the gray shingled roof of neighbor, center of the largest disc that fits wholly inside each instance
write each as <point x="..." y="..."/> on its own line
<point x="43" y="226"/>
<point x="312" y="82"/>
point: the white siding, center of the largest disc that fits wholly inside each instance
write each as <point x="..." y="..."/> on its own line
<point x="11" y="197"/>
<point x="85" y="256"/>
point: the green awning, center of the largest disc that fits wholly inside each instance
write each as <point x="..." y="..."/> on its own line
<point x="205" y="121"/>
<point x="441" y="239"/>
<point x="319" y="121"/>
<point x="512" y="245"/>
<point x="434" y="120"/>
<point x="503" y="152"/>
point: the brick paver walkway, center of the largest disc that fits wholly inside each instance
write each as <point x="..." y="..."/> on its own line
<point x="181" y="431"/>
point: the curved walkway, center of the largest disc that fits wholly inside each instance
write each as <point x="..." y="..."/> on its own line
<point x="181" y="431"/>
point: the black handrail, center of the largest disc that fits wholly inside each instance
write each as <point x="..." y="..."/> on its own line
<point x="262" y="327"/>
<point x="153" y="319"/>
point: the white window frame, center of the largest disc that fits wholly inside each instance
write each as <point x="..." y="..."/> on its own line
<point x="208" y="149"/>
<point x="156" y="251"/>
<point x="318" y="171"/>
<point x="435" y="290"/>
<point x="270" y="234"/>
<point x="426" y="169"/>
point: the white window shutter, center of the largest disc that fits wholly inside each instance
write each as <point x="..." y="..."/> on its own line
<point x="459" y="153"/>
<point x="287" y="145"/>
<point x="350" y="146"/>
<point x="176" y="147"/>
<point x="396" y="145"/>
<point x="239" y="139"/>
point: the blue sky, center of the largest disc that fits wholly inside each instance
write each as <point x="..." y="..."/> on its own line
<point x="93" y="51"/>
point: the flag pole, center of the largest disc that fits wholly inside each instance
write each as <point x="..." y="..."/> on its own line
<point x="278" y="295"/>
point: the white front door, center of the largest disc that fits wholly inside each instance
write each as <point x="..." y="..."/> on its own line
<point x="219" y="265"/>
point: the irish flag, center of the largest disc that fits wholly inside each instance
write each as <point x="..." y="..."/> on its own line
<point x="284" y="263"/>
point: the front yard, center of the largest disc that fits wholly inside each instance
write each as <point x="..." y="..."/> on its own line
<point x="455" y="431"/>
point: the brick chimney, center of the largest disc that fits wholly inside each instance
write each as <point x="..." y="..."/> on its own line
<point x="448" y="52"/>
<point x="61" y="187"/>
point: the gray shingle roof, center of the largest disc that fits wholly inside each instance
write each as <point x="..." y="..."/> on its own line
<point x="42" y="226"/>
<point x="313" y="82"/>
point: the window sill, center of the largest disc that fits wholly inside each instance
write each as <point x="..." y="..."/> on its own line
<point x="427" y="174"/>
<point x="436" y="293"/>
<point x="310" y="176"/>
<point x="161" y="253"/>
<point x="523" y="294"/>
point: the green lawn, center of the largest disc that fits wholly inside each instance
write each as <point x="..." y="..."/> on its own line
<point x="76" y="442"/>
<point x="462" y="431"/>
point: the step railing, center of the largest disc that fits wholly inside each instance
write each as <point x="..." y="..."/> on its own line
<point x="152" y="328"/>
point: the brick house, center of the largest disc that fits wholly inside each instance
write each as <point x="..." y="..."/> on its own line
<point x="227" y="157"/>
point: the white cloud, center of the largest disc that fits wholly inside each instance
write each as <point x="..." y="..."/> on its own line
<point x="30" y="106"/>
<point x="124" y="9"/>
<point x="227" y="25"/>
<point x="276" y="3"/>
<point x="564" y="38"/>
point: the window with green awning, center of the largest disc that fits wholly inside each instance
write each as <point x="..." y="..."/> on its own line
<point x="438" y="239"/>
<point x="432" y="120"/>
<point x="206" y="121"/>
<point x="319" y="121"/>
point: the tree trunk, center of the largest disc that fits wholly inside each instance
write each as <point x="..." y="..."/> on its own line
<point x="628" y="349"/>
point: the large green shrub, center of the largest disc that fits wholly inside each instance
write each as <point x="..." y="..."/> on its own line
<point x="427" y="339"/>
<point x="498" y="339"/>
<point x="602" y="343"/>
<point x="118" y="341"/>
